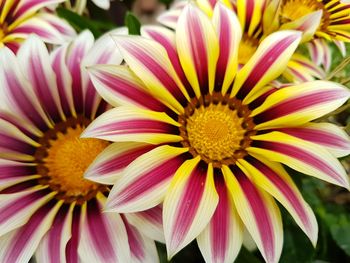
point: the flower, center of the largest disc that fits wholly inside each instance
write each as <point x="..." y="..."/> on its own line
<point x="220" y="136"/>
<point x="47" y="208"/>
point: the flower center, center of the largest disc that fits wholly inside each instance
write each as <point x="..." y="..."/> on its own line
<point x="247" y="48"/>
<point x="3" y="31"/>
<point x="217" y="128"/>
<point x="63" y="159"/>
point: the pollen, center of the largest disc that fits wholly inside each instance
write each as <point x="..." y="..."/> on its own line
<point x="294" y="9"/>
<point x="217" y="128"/>
<point x="66" y="159"/>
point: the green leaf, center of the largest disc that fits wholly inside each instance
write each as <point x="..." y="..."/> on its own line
<point x="132" y="23"/>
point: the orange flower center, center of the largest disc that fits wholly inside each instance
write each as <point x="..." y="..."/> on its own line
<point x="66" y="157"/>
<point x="217" y="128"/>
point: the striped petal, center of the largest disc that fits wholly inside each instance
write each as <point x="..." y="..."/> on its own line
<point x="34" y="59"/>
<point x="133" y="124"/>
<point x="52" y="247"/>
<point x="19" y="245"/>
<point x="166" y="38"/>
<point x="118" y="85"/>
<point x="330" y="136"/>
<point x="141" y="188"/>
<point x="59" y="24"/>
<point x="142" y="249"/>
<point x="275" y="180"/>
<point x="149" y="222"/>
<point x="250" y="13"/>
<point x="17" y="208"/>
<point x="150" y="62"/>
<point x="299" y="104"/>
<point x="189" y="205"/>
<point x="103" y="235"/>
<point x="108" y="166"/>
<point x="268" y="62"/>
<point x="170" y="17"/>
<point x="221" y="240"/>
<point x="198" y="49"/>
<point x="73" y="243"/>
<point x="258" y="212"/>
<point x="308" y="24"/>
<point x="17" y="95"/>
<point x="26" y="8"/>
<point x="12" y="172"/>
<point x="303" y="156"/>
<point x="229" y="32"/>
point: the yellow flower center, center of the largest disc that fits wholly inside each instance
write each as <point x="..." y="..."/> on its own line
<point x="65" y="159"/>
<point x="291" y="10"/>
<point x="216" y="128"/>
<point x="247" y="48"/>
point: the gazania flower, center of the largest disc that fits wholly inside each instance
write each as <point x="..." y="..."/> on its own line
<point x="220" y="136"/>
<point x="257" y="22"/>
<point x="47" y="208"/>
<point x="19" y="19"/>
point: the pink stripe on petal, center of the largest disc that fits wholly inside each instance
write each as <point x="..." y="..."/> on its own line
<point x="10" y="170"/>
<point x="150" y="180"/>
<point x="157" y="70"/>
<point x="303" y="156"/>
<point x="292" y="105"/>
<point x="72" y="245"/>
<point x="9" y="143"/>
<point x="261" y="214"/>
<point x="264" y="64"/>
<point x="135" y="241"/>
<point x="188" y="205"/>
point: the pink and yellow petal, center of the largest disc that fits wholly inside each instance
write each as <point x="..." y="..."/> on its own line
<point x="150" y="62"/>
<point x="149" y="222"/>
<point x="118" y="85"/>
<point x="15" y="248"/>
<point x="198" y="49"/>
<point x="275" y="180"/>
<point x="301" y="155"/>
<point x="258" y="211"/>
<point x="268" y="62"/>
<point x="103" y="235"/>
<point x="250" y="14"/>
<point x="299" y="104"/>
<point x="146" y="180"/>
<point x="229" y="33"/>
<point x="133" y="124"/>
<point x="189" y="204"/>
<point x="221" y="240"/>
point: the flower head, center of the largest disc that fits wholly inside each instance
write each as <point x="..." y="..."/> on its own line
<point x="219" y="135"/>
<point x="47" y="208"/>
<point x="19" y="19"/>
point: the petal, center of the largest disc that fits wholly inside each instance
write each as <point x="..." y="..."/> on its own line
<point x="63" y="80"/>
<point x="12" y="173"/>
<point x="308" y="24"/>
<point x="102" y="52"/>
<point x="166" y="38"/>
<point x="27" y="8"/>
<point x="150" y="62"/>
<point x="275" y="180"/>
<point x="250" y="13"/>
<point x="76" y="51"/>
<point x="118" y="85"/>
<point x="170" y="17"/>
<point x="108" y="166"/>
<point x="133" y="124"/>
<point x="268" y="62"/>
<point x="189" y="204"/>
<point x="17" y="208"/>
<point x="14" y="144"/>
<point x="34" y="59"/>
<point x="198" y="49"/>
<point x="229" y="32"/>
<point x="15" y="248"/>
<point x="52" y="247"/>
<point x="303" y="156"/>
<point x="222" y="238"/>
<point x="149" y="222"/>
<point x="258" y="212"/>
<point x="145" y="181"/>
<point x="17" y="93"/>
<point x="328" y="135"/>
<point x="73" y="243"/>
<point x="299" y="104"/>
<point x="103" y="235"/>
<point x="142" y="249"/>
